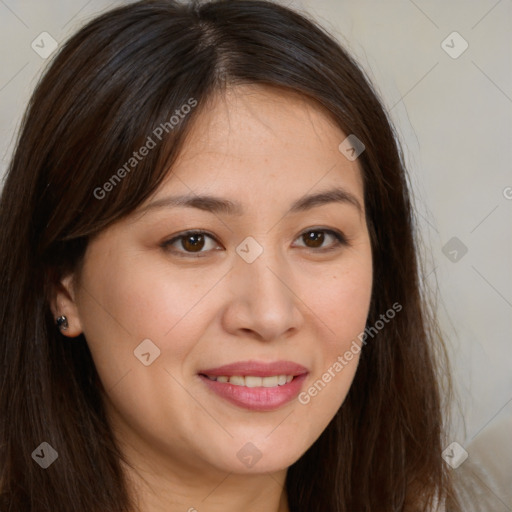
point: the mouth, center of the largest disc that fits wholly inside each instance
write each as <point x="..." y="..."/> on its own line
<point x="256" y="386"/>
<point x="253" y="381"/>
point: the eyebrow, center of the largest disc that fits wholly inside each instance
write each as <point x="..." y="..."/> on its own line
<point x="219" y="205"/>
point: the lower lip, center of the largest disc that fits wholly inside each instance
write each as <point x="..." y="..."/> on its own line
<point x="259" y="398"/>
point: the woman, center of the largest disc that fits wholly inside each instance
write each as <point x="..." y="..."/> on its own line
<point x="211" y="295"/>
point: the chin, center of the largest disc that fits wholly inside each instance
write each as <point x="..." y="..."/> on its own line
<point x="260" y="456"/>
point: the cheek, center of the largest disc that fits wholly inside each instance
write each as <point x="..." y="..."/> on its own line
<point x="346" y="304"/>
<point x="128" y="301"/>
<point x="341" y="299"/>
<point x="342" y="304"/>
<point x="126" y="304"/>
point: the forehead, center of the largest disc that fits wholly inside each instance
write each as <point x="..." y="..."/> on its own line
<point x="252" y="140"/>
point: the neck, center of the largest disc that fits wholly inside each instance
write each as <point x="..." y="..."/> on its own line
<point x="160" y="483"/>
<point x="185" y="491"/>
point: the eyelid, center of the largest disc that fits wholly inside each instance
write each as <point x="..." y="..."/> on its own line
<point x="340" y="237"/>
<point x="167" y="244"/>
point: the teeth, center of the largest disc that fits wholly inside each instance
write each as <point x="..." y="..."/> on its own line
<point x="237" y="381"/>
<point x="270" y="382"/>
<point x="251" y="381"/>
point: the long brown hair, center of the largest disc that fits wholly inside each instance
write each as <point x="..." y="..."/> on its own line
<point x="108" y="88"/>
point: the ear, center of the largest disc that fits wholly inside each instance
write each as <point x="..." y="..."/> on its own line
<point x="63" y="303"/>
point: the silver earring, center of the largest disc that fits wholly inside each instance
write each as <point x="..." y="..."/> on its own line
<point x="62" y="323"/>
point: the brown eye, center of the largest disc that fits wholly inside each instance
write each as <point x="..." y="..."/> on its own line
<point x="313" y="238"/>
<point x="191" y="243"/>
<point x="319" y="239"/>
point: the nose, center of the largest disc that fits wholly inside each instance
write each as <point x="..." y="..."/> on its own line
<point x="263" y="302"/>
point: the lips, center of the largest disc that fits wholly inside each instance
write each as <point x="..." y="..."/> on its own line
<point x="256" y="385"/>
<point x="257" y="369"/>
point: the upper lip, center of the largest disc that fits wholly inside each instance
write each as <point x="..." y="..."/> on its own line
<point x="256" y="368"/>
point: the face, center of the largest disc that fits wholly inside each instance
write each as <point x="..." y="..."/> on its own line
<point x="217" y="325"/>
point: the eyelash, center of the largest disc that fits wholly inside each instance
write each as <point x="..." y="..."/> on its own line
<point x="340" y="240"/>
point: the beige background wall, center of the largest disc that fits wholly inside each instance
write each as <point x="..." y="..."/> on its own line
<point x="454" y="116"/>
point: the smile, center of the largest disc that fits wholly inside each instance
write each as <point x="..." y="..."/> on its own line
<point x="254" y="385"/>
<point x="252" y="381"/>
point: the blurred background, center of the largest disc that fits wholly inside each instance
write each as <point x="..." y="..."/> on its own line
<point x="443" y="70"/>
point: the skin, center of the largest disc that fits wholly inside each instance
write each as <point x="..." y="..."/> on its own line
<point x="296" y="301"/>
